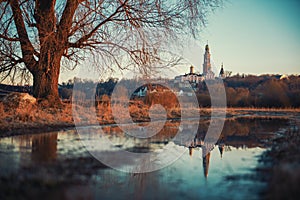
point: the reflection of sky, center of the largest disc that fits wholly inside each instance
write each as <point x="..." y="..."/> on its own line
<point x="183" y="179"/>
<point x="187" y="175"/>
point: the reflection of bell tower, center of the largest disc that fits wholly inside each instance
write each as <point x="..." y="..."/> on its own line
<point x="206" y="64"/>
<point x="206" y="149"/>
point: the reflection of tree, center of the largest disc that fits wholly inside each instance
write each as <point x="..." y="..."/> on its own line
<point x="250" y="132"/>
<point x="243" y="131"/>
<point x="44" y="147"/>
<point x="143" y="183"/>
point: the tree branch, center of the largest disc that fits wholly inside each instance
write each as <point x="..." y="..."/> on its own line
<point x="26" y="46"/>
<point x="84" y="38"/>
<point x="65" y="23"/>
<point x="9" y="38"/>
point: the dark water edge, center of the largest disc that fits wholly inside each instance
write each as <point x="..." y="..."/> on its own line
<point x="55" y="166"/>
<point x="280" y="165"/>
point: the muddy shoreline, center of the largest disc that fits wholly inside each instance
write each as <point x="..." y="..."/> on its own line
<point x="33" y="129"/>
<point x="280" y="165"/>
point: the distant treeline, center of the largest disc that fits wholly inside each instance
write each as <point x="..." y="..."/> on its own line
<point x="6" y="89"/>
<point x="241" y="91"/>
<point x="257" y="91"/>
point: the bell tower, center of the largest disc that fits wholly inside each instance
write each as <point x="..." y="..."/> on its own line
<point x="206" y="64"/>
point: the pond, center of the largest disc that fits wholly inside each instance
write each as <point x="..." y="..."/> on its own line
<point x="57" y="165"/>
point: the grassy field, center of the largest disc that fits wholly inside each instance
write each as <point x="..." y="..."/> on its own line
<point x="18" y="119"/>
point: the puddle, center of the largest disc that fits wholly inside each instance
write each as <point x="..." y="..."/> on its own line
<point x="57" y="165"/>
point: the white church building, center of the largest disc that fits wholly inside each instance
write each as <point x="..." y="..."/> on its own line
<point x="195" y="78"/>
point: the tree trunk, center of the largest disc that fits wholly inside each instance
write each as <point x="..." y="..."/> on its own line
<point x="45" y="75"/>
<point x="45" y="78"/>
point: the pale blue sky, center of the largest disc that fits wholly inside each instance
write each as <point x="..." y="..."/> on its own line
<point x="249" y="36"/>
<point x="255" y="36"/>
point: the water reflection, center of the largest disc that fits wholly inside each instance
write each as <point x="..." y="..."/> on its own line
<point x="44" y="147"/>
<point x="206" y="151"/>
<point x="221" y="147"/>
<point x="238" y="133"/>
<point x="59" y="153"/>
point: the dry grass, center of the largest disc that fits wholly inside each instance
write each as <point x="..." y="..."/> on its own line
<point x="33" y="115"/>
<point x="39" y="115"/>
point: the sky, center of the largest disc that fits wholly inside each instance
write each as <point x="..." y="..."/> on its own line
<point x="250" y="37"/>
<point x="255" y="36"/>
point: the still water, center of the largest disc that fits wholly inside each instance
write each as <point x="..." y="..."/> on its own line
<point x="56" y="165"/>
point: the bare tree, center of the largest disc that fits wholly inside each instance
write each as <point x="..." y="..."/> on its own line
<point x="39" y="36"/>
